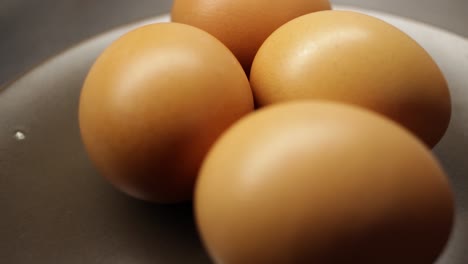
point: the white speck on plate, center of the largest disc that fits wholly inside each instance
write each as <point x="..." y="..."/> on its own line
<point x="20" y="136"/>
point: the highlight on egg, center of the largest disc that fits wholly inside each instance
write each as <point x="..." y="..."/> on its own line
<point x="242" y="25"/>
<point x="357" y="59"/>
<point x="152" y="105"/>
<point x="322" y="182"/>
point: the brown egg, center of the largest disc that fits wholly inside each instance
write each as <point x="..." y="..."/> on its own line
<point x="357" y="59"/>
<point x="154" y="102"/>
<point x="317" y="182"/>
<point x="242" y="25"/>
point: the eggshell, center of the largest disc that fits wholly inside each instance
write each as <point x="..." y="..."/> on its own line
<point x="358" y="59"/>
<point x="154" y="102"/>
<point x="242" y="25"/>
<point x="319" y="182"/>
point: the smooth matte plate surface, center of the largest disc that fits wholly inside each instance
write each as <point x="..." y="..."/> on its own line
<point x="57" y="209"/>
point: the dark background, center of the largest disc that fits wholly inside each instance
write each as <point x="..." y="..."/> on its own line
<point x="32" y="30"/>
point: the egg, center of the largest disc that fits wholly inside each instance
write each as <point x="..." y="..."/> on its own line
<point x="152" y="105"/>
<point x="322" y="182"/>
<point x="242" y="25"/>
<point x="357" y="59"/>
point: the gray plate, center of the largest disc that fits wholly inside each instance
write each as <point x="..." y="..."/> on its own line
<point x="57" y="209"/>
